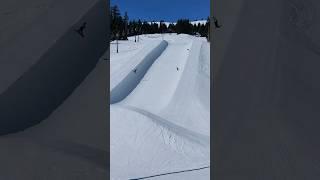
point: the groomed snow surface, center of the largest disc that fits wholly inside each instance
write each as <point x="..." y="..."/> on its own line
<point x="160" y="125"/>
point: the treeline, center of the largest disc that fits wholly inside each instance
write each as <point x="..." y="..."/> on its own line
<point x="122" y="27"/>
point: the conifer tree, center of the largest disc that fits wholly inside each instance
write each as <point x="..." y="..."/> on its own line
<point x="126" y="20"/>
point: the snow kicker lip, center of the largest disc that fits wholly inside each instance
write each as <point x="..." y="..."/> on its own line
<point x="45" y="86"/>
<point x="132" y="79"/>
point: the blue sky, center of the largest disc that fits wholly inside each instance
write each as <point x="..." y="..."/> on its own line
<point x="167" y="10"/>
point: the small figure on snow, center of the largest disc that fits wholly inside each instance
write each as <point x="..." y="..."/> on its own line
<point x="216" y="22"/>
<point x="81" y="29"/>
<point x="177" y="69"/>
<point x="135" y="70"/>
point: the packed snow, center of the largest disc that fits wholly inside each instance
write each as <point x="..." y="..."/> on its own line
<point x="161" y="126"/>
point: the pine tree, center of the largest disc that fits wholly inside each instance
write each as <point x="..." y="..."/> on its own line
<point x="163" y="27"/>
<point x="208" y="28"/>
<point x="126" y="19"/>
<point x="139" y="26"/>
<point x="115" y="23"/>
<point x="184" y="26"/>
<point x="203" y="30"/>
<point x="171" y="28"/>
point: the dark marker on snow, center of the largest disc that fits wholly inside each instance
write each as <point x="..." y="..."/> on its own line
<point x="177" y="69"/>
<point x="135" y="71"/>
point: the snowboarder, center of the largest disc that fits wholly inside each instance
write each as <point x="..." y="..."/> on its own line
<point x="177" y="69"/>
<point x="216" y="22"/>
<point x="135" y="70"/>
<point x="81" y="29"/>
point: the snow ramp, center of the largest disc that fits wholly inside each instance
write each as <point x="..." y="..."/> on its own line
<point x="145" y="57"/>
<point x="189" y="105"/>
<point x="144" y="144"/>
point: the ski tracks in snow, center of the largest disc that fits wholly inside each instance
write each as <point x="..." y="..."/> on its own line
<point x="173" y="128"/>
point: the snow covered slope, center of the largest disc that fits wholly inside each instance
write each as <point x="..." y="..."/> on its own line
<point x="46" y="60"/>
<point x="54" y="102"/>
<point x="69" y="144"/>
<point x="162" y="126"/>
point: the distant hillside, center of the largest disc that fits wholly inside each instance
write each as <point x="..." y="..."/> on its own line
<point x="192" y="22"/>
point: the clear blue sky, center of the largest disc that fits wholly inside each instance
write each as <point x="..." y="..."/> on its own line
<point x="167" y="10"/>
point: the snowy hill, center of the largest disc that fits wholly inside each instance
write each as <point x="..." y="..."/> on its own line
<point x="53" y="90"/>
<point x="162" y="125"/>
<point x="198" y="21"/>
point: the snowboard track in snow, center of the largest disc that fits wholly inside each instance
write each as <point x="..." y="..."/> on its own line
<point x="176" y="129"/>
<point x="169" y="173"/>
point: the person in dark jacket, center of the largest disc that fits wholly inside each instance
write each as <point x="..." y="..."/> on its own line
<point x="81" y="29"/>
<point x="215" y="20"/>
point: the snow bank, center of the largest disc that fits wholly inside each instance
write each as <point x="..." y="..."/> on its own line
<point x="147" y="56"/>
<point x="203" y="76"/>
<point x="55" y="74"/>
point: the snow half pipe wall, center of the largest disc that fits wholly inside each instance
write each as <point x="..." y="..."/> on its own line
<point x="40" y="90"/>
<point x="126" y="86"/>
